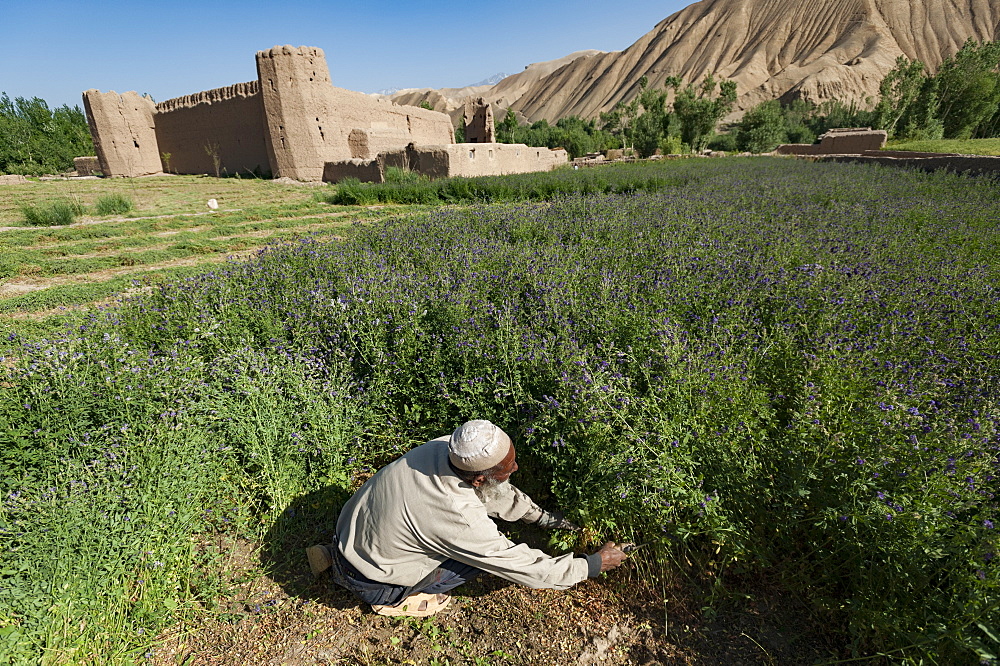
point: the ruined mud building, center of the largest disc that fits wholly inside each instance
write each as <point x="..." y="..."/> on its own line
<point x="292" y="122"/>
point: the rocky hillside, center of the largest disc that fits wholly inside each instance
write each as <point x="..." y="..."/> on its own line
<point x="501" y="95"/>
<point x="812" y="49"/>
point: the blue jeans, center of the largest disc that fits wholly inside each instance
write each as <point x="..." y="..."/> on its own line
<point x="448" y="576"/>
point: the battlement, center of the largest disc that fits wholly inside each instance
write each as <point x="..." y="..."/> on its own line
<point x="289" y="50"/>
<point x="248" y="89"/>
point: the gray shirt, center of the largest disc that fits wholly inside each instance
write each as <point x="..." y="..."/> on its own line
<point x="416" y="512"/>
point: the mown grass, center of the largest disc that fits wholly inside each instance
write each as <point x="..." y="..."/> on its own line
<point x="765" y="368"/>
<point x="167" y="195"/>
<point x="989" y="147"/>
<point x="99" y="246"/>
<point x="69" y="267"/>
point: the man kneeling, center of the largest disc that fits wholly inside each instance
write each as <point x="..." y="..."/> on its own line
<point x="421" y="527"/>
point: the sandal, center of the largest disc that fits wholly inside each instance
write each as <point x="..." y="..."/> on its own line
<point x="416" y="605"/>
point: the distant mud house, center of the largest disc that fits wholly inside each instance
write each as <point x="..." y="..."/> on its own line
<point x="290" y="122"/>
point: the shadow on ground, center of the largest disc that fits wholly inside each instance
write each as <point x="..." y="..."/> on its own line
<point x="312" y="519"/>
<point x="275" y="612"/>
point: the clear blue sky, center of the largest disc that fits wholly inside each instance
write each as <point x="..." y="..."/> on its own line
<point x="56" y="49"/>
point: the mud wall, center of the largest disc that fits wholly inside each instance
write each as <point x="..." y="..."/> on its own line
<point x="474" y="159"/>
<point x="225" y="123"/>
<point x="843" y="143"/>
<point x="289" y="122"/>
<point x="123" y="132"/>
<point x="798" y="149"/>
<point x="87" y="166"/>
<point x="838" y="142"/>
<point x="367" y="171"/>
<point x="310" y="122"/>
<point x="489" y="159"/>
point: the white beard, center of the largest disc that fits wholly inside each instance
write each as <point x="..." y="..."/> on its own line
<point x="492" y="490"/>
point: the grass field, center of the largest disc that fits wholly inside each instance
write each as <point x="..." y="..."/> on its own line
<point x="958" y="146"/>
<point x="170" y="233"/>
<point x="766" y="369"/>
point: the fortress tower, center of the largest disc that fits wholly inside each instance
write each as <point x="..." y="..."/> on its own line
<point x="123" y="132"/>
<point x="295" y="87"/>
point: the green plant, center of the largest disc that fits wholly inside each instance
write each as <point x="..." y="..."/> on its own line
<point x="53" y="213"/>
<point x="400" y="175"/>
<point x="672" y="145"/>
<point x="759" y="366"/>
<point x="700" y="108"/>
<point x="114" y="204"/>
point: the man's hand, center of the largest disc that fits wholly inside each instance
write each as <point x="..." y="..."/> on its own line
<point x="611" y="556"/>
<point x="553" y="520"/>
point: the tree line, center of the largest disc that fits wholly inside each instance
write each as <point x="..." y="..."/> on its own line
<point x="645" y="124"/>
<point x="35" y="139"/>
<point x="962" y="100"/>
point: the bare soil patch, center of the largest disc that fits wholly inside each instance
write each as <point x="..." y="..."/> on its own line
<point x="276" y="612"/>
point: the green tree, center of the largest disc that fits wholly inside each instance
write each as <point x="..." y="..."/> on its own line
<point x="921" y="119"/>
<point x="620" y="121"/>
<point x="762" y="128"/>
<point x="576" y="135"/>
<point x="507" y="128"/>
<point x="653" y="124"/>
<point x="834" y="113"/>
<point x="898" y="92"/>
<point x="35" y="139"/>
<point x="968" y="89"/>
<point x="798" y="114"/>
<point x="699" y="109"/>
<point x="611" y="122"/>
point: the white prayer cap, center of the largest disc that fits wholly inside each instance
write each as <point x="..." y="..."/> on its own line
<point x="477" y="446"/>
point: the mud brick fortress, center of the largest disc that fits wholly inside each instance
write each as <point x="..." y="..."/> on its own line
<point x="292" y="122"/>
